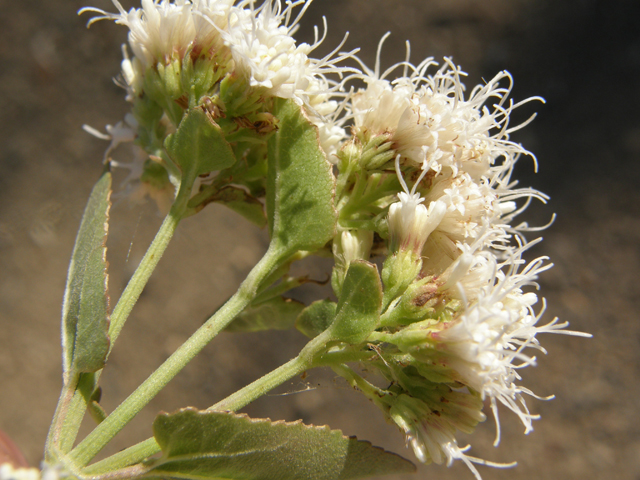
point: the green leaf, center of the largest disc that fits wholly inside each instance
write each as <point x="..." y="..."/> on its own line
<point x="198" y="147"/>
<point x="278" y="313"/>
<point x="300" y="184"/>
<point x="238" y="200"/>
<point x="210" y="445"/>
<point x="359" y="305"/>
<point x="85" y="317"/>
<point x="316" y="318"/>
<point x="93" y="405"/>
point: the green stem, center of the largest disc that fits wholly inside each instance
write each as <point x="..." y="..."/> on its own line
<point x="129" y="456"/>
<point x="356" y="381"/>
<point x="307" y="359"/>
<point x="105" y="431"/>
<point x="263" y="385"/>
<point x="148" y="264"/>
<point x="304" y="361"/>
<point x="72" y="404"/>
<point x="66" y="400"/>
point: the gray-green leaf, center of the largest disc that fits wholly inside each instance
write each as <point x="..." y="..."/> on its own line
<point x="238" y="200"/>
<point x="300" y="184"/>
<point x="212" y="445"/>
<point x="278" y="313"/>
<point x="359" y="305"/>
<point x="198" y="147"/>
<point x="316" y="318"/>
<point x="85" y="317"/>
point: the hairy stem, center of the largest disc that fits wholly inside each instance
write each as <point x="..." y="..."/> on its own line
<point x="142" y="274"/>
<point x="309" y="357"/>
<point x="105" y="431"/>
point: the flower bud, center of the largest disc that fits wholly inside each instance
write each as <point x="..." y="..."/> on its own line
<point x="411" y="223"/>
<point x="348" y="246"/>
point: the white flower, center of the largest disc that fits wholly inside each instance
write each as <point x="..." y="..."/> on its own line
<point x="122" y="132"/>
<point x="266" y="53"/>
<point x="429" y="111"/>
<point x="352" y="245"/>
<point x="9" y="472"/>
<point x="163" y="30"/>
<point x="485" y="344"/>
<point x="411" y="222"/>
<point x="430" y="427"/>
<point x="327" y="114"/>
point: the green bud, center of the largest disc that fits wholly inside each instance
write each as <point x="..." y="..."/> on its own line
<point x="359" y="304"/>
<point x="348" y="246"/>
<point x="398" y="272"/>
<point x="170" y="75"/>
<point x="376" y="152"/>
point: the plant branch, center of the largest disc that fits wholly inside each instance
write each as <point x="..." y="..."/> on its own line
<point x="105" y="431"/>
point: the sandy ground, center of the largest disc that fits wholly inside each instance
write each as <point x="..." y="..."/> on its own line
<point x="580" y="55"/>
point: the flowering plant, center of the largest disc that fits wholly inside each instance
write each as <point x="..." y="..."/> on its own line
<point x="399" y="176"/>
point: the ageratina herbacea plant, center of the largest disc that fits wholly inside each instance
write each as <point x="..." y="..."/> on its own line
<point x="402" y="176"/>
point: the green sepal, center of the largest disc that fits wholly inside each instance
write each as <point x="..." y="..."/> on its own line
<point x="359" y="304"/>
<point x="278" y="313"/>
<point x="399" y="271"/>
<point x="85" y="315"/>
<point x="162" y="85"/>
<point x="300" y="184"/>
<point x="198" y="147"/>
<point x="215" y="445"/>
<point x="316" y="318"/>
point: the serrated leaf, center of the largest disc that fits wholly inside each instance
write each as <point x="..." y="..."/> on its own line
<point x="198" y="147"/>
<point x="209" y="445"/>
<point x="316" y="318"/>
<point x="359" y="305"/>
<point x="278" y="313"/>
<point x="85" y="317"/>
<point x="300" y="184"/>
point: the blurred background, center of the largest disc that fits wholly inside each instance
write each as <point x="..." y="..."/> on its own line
<point x="582" y="56"/>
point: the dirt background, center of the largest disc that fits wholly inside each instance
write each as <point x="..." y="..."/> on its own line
<point x="582" y="56"/>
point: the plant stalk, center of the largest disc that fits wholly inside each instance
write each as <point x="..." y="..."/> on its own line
<point x="105" y="431"/>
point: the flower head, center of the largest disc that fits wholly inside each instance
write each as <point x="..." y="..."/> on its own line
<point x="411" y="222"/>
<point x="430" y="121"/>
<point x="458" y="313"/>
<point x="265" y="52"/>
<point x="162" y="30"/>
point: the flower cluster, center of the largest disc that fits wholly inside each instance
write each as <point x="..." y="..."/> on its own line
<point x="423" y="180"/>
<point x="458" y="311"/>
<point x="232" y="57"/>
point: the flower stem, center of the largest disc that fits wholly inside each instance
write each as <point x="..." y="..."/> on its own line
<point x="141" y="276"/>
<point x="129" y="456"/>
<point x="105" y="431"/>
<point x="307" y="359"/>
<point x="72" y="404"/>
<point x="356" y="381"/>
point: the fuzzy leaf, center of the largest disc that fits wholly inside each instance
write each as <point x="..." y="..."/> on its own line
<point x="359" y="305"/>
<point x="316" y="318"/>
<point x="85" y="317"/>
<point x="198" y="147"/>
<point x="210" y="445"/>
<point x="278" y="313"/>
<point x="238" y="200"/>
<point x="300" y="184"/>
